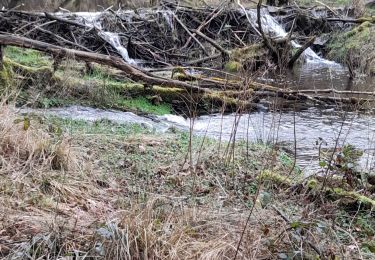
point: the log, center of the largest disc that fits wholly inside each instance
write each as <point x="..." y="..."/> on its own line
<point x="300" y="51"/>
<point x="201" y="60"/>
<point x="133" y="73"/>
<point x="352" y="20"/>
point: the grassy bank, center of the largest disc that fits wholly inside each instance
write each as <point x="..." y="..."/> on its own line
<point x="31" y="77"/>
<point x="355" y="48"/>
<point x="39" y="81"/>
<point x="109" y="191"/>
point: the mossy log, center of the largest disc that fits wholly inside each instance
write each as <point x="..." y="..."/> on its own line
<point x="315" y="185"/>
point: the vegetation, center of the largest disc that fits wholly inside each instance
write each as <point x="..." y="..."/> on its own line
<point x="74" y="189"/>
<point x="41" y="87"/>
<point x="355" y="48"/>
<point x="123" y="191"/>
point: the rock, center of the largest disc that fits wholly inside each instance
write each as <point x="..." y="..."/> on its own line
<point x="321" y="40"/>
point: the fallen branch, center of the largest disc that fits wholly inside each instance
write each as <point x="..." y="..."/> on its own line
<point x="212" y="42"/>
<point x="215" y="14"/>
<point x="191" y="35"/>
<point x="300" y="51"/>
<point x="133" y="73"/>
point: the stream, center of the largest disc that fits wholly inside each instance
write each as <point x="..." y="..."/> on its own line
<point x="274" y="128"/>
<point x="311" y="126"/>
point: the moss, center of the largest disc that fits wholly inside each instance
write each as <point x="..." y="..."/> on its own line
<point x="248" y="52"/>
<point x="43" y="72"/>
<point x="312" y="184"/>
<point x="27" y="57"/>
<point x="366" y="201"/>
<point x="274" y="177"/>
<point x="233" y="66"/>
<point x="230" y="101"/>
<point x="251" y="56"/>
<point x="356" y="48"/>
<point x="6" y="77"/>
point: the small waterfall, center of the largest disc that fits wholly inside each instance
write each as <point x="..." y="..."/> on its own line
<point x="92" y="20"/>
<point x="272" y="28"/>
<point x="168" y="17"/>
<point x="114" y="40"/>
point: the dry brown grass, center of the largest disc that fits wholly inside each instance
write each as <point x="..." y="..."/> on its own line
<point x="55" y="203"/>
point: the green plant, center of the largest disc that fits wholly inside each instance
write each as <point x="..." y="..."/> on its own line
<point x="27" y="57"/>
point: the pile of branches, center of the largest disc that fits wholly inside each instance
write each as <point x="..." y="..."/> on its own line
<point x="168" y="35"/>
<point x="172" y="35"/>
<point x="161" y="36"/>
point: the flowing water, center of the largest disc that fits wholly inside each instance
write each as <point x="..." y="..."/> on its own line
<point x="269" y="24"/>
<point x="309" y="126"/>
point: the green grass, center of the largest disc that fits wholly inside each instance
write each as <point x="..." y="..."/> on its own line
<point x="27" y="57"/>
<point x="143" y="105"/>
<point x="106" y="91"/>
<point x="349" y="41"/>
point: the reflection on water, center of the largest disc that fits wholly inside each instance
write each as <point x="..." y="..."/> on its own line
<point x="318" y="75"/>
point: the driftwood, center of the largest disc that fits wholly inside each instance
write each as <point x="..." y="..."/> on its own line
<point x="217" y="46"/>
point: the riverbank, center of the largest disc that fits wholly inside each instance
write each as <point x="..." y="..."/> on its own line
<point x="199" y="188"/>
<point x="72" y="188"/>
<point x="30" y="77"/>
